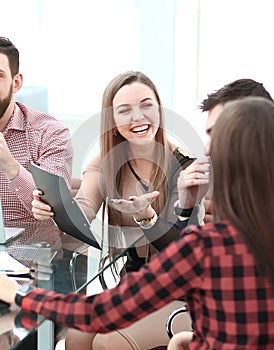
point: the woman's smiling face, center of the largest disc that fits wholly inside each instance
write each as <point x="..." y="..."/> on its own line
<point x="136" y="113"/>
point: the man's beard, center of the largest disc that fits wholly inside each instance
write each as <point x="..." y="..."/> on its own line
<point x="4" y="103"/>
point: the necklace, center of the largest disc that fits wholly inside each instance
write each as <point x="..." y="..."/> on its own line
<point x="142" y="183"/>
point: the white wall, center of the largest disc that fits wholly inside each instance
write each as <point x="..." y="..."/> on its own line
<point x="218" y="41"/>
<point x="73" y="47"/>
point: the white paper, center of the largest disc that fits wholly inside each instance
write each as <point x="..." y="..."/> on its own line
<point x="11" y="266"/>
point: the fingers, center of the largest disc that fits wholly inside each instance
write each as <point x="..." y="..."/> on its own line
<point x="195" y="174"/>
<point x="37" y="193"/>
<point x="40" y="210"/>
<point x="199" y="165"/>
<point x="135" y="204"/>
<point x="193" y="182"/>
<point x="150" y="197"/>
<point x="41" y="214"/>
<point x="37" y="204"/>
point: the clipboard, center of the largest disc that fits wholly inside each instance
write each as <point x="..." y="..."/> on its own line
<point x="68" y="216"/>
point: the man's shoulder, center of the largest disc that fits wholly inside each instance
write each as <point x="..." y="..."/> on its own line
<point x="40" y="120"/>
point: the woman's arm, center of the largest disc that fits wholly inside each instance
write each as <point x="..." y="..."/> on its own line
<point x="90" y="195"/>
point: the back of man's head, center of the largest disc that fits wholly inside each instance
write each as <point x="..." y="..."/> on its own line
<point x="7" y="48"/>
<point x="237" y="89"/>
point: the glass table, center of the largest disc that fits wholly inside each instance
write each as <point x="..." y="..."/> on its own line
<point x="59" y="262"/>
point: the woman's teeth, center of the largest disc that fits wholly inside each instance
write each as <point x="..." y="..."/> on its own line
<point x="140" y="129"/>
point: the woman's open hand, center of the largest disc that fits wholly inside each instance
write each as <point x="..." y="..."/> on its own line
<point x="140" y="207"/>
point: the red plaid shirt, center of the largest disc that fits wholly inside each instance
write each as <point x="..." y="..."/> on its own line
<point x="232" y="307"/>
<point x="37" y="137"/>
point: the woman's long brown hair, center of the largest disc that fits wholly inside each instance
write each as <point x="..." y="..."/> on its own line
<point x="242" y="156"/>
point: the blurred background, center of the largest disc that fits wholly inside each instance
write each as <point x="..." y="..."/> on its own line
<point x="70" y="50"/>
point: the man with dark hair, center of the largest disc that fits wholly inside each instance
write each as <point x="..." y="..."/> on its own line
<point x="26" y="135"/>
<point x="237" y="89"/>
<point x="214" y="104"/>
<point x="240" y="88"/>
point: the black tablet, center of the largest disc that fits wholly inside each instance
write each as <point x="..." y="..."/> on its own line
<point x="67" y="213"/>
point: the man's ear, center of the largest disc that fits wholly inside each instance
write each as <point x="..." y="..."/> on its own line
<point x="17" y="82"/>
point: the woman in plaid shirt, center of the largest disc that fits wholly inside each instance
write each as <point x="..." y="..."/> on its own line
<point x="225" y="269"/>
